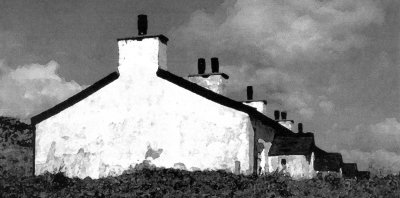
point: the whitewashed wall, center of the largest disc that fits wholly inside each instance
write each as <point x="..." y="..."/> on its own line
<point x="297" y="166"/>
<point x="215" y="83"/>
<point x="287" y="124"/>
<point x="140" y="115"/>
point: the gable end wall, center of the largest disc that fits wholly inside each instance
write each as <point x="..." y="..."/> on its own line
<point x="138" y="117"/>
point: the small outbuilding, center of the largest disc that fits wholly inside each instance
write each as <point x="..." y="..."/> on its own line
<point x="328" y="163"/>
<point x="292" y="155"/>
<point x="349" y="170"/>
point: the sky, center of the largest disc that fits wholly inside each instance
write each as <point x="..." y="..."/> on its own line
<point x="331" y="64"/>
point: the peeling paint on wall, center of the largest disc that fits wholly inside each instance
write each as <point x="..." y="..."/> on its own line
<point x="263" y="156"/>
<point x="296" y="166"/>
<point x="140" y="116"/>
<point x="215" y="83"/>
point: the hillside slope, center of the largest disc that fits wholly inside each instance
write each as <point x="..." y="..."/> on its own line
<point x="16" y="147"/>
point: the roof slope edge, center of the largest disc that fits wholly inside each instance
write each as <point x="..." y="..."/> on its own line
<point x="220" y="99"/>
<point x="75" y="98"/>
<point x="179" y="81"/>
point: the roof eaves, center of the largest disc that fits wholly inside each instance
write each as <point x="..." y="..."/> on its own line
<point x="197" y="89"/>
<point x="280" y="144"/>
<point x="75" y="98"/>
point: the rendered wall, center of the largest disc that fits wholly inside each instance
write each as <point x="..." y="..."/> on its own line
<point x="297" y="166"/>
<point x="215" y="83"/>
<point x="141" y="116"/>
<point x="263" y="157"/>
<point x="259" y="105"/>
<point x="262" y="138"/>
<point x="287" y="124"/>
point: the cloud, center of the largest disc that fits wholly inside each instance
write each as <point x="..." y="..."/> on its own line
<point x="375" y="146"/>
<point x="385" y="134"/>
<point x="367" y="137"/>
<point x="284" y="31"/>
<point x="390" y="126"/>
<point x="326" y="106"/>
<point x="279" y="87"/>
<point x="30" y="89"/>
<point x="278" y="45"/>
<point x="378" y="162"/>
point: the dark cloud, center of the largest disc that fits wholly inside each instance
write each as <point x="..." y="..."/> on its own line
<point x="333" y="64"/>
<point x="286" y="41"/>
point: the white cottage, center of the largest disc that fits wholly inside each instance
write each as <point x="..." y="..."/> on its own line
<point x="144" y="112"/>
<point x="292" y="155"/>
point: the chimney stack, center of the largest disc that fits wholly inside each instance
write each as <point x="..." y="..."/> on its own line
<point x="142" y="24"/>
<point x="284" y="121"/>
<point x="140" y="57"/>
<point x="260" y="105"/>
<point x="283" y="115"/>
<point x="300" y="127"/>
<point x="276" y="114"/>
<point x="214" y="81"/>
<point x="249" y="92"/>
<point x="214" y="65"/>
<point x="201" y="65"/>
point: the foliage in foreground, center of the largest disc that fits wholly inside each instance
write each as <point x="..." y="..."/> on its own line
<point x="178" y="183"/>
<point x="16" y="161"/>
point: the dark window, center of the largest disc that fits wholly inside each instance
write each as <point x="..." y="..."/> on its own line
<point x="283" y="161"/>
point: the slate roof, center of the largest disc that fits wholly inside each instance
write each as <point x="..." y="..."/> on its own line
<point x="328" y="162"/>
<point x="179" y="81"/>
<point x="319" y="151"/>
<point x="307" y="134"/>
<point x="291" y="145"/>
<point x="349" y="170"/>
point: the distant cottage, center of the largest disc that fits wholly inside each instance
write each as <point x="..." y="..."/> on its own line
<point x="142" y="112"/>
<point x="295" y="153"/>
<point x="350" y="170"/>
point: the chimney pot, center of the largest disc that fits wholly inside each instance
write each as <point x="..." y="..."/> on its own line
<point x="300" y="127"/>
<point x="276" y="114"/>
<point x="201" y="65"/>
<point x="142" y="24"/>
<point x="249" y="92"/>
<point x="214" y="65"/>
<point x="283" y="115"/>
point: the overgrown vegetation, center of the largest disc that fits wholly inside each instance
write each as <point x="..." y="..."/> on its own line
<point x="146" y="181"/>
<point x="178" y="183"/>
<point x="16" y="147"/>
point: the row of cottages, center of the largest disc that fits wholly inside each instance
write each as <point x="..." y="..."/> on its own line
<point x="297" y="155"/>
<point x="143" y="112"/>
